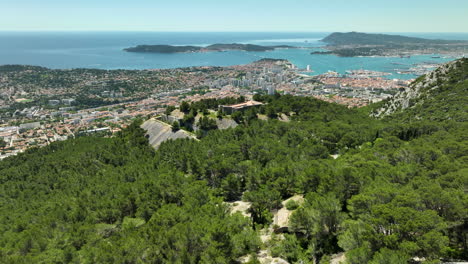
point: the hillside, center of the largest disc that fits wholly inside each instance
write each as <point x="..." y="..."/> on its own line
<point x="354" y="44"/>
<point x="441" y="95"/>
<point x="332" y="181"/>
<point x="358" y="38"/>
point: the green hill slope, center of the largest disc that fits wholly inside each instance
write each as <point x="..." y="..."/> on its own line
<point x="396" y="191"/>
<point x="439" y="96"/>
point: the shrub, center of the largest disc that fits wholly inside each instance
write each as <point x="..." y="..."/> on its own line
<point x="292" y="205"/>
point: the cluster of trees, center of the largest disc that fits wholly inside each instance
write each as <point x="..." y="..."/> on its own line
<point x="101" y="200"/>
<point x="212" y="104"/>
<point x="202" y="107"/>
<point x="396" y="191"/>
<point x="266" y="162"/>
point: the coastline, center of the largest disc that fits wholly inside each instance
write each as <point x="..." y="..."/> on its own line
<point x="104" y="51"/>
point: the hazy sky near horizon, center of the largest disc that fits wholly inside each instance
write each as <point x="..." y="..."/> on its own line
<point x="236" y="15"/>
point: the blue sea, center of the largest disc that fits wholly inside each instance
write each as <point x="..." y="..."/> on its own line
<point x="104" y="50"/>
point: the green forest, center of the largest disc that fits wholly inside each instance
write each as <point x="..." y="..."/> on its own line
<point x="382" y="190"/>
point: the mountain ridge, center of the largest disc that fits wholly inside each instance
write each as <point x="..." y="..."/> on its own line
<point x="447" y="84"/>
<point x="354" y="44"/>
<point x="360" y="38"/>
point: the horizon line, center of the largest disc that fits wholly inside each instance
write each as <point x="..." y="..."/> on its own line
<point x="213" y="31"/>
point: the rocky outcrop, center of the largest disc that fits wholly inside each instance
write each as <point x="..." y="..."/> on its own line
<point x="240" y="206"/>
<point x="282" y="216"/>
<point x="226" y="123"/>
<point x="159" y="132"/>
<point x="418" y="91"/>
<point x="339" y="258"/>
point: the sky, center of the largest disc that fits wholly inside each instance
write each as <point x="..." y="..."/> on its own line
<point x="235" y="15"/>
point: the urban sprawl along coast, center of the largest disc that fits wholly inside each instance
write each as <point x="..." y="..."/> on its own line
<point x="40" y="106"/>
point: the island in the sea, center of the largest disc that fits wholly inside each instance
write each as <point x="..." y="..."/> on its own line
<point x="355" y="44"/>
<point x="210" y="48"/>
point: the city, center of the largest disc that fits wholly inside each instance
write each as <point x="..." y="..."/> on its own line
<point x="147" y="93"/>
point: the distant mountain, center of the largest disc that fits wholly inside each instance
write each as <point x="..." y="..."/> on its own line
<point x="358" y="38"/>
<point x="438" y="96"/>
<point x="211" y="48"/>
<point x="354" y="44"/>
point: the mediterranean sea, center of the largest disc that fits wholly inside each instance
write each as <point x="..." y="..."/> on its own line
<point x="104" y="50"/>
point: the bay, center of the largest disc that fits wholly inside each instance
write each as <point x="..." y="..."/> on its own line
<point x="104" y="50"/>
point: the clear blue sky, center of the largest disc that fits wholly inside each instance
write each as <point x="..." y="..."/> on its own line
<point x="236" y="15"/>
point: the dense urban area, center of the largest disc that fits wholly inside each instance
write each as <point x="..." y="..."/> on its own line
<point x="40" y="106"/>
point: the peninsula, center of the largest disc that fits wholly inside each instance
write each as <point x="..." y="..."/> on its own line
<point x="210" y="48"/>
<point x="355" y="44"/>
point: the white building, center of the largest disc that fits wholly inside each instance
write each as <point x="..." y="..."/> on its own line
<point x="271" y="90"/>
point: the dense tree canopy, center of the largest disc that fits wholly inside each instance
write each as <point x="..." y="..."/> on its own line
<point x="396" y="191"/>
